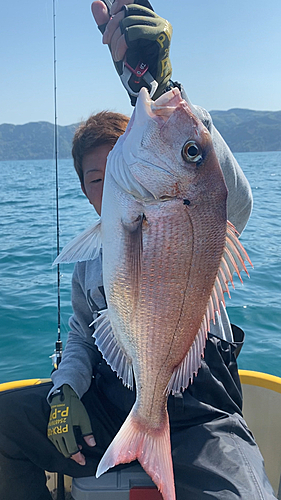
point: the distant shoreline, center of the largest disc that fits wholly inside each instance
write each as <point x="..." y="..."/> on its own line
<point x="244" y="130"/>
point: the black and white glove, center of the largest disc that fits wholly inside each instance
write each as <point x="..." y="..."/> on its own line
<point x="147" y="38"/>
<point x="68" y="413"/>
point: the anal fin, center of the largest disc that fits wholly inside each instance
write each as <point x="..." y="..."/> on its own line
<point x="113" y="353"/>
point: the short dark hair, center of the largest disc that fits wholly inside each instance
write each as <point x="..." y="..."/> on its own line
<point x="103" y="128"/>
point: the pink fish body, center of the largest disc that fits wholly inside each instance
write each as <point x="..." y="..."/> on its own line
<point x="168" y="255"/>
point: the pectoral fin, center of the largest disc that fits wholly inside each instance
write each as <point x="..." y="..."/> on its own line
<point x="134" y="248"/>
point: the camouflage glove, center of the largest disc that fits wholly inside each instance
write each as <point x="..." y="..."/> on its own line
<point x="148" y="37"/>
<point x="67" y="412"/>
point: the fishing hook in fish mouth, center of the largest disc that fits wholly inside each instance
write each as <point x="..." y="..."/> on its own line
<point x="191" y="152"/>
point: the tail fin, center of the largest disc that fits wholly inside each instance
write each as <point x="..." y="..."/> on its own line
<point x="152" y="449"/>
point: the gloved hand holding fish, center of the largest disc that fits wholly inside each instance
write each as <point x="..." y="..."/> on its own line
<point x="168" y="255"/>
<point x="139" y="42"/>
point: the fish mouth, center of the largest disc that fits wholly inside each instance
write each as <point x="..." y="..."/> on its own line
<point x="161" y="109"/>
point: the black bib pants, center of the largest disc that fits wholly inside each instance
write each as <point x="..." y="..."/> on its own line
<point x="214" y="453"/>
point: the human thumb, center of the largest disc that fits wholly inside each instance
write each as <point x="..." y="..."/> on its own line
<point x="100" y="12"/>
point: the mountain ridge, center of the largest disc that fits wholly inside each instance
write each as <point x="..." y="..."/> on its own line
<point x="247" y="130"/>
<point x="243" y="129"/>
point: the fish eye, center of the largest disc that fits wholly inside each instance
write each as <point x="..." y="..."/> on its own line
<point x="191" y="152"/>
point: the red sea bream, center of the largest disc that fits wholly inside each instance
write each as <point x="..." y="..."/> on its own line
<point x="168" y="255"/>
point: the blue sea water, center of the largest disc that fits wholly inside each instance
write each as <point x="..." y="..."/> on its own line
<point x="28" y="291"/>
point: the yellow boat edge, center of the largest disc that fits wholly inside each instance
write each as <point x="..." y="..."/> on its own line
<point x="260" y="379"/>
<point x="17" y="384"/>
<point x="247" y="377"/>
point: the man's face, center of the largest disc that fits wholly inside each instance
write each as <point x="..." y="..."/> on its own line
<point x="93" y="166"/>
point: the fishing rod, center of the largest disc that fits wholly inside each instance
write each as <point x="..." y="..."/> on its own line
<point x="58" y="347"/>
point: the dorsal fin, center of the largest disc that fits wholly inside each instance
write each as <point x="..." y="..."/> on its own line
<point x="233" y="260"/>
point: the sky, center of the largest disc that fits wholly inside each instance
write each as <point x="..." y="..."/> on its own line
<point x="227" y="54"/>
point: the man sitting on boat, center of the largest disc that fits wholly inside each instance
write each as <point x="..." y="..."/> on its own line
<point x="81" y="410"/>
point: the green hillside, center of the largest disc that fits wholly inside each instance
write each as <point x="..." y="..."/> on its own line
<point x="243" y="130"/>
